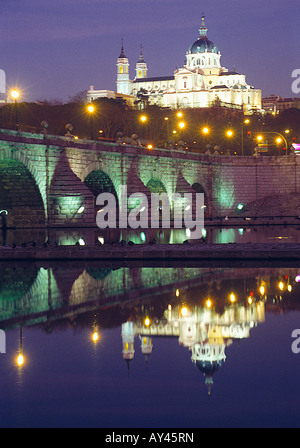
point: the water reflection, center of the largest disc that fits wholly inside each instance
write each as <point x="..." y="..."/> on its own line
<point x="91" y="237"/>
<point x="204" y="331"/>
<point x="205" y="309"/>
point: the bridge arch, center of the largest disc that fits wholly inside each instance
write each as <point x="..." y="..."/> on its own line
<point x="155" y="185"/>
<point x="98" y="181"/>
<point x="8" y="153"/>
<point x="20" y="194"/>
<point x="99" y="178"/>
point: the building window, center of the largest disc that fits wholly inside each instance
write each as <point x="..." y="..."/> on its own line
<point x="121" y="69"/>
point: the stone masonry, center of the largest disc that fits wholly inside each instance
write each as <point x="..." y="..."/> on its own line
<point x="42" y="178"/>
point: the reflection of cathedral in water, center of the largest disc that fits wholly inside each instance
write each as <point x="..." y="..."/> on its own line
<point x="202" y="330"/>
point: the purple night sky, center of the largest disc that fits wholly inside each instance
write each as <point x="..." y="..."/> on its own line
<point x="54" y="49"/>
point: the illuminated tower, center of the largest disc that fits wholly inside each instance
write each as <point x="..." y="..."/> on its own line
<point x="203" y="53"/>
<point x="128" y="342"/>
<point x="209" y="355"/>
<point x="123" y="81"/>
<point x="146" y="347"/>
<point x="141" y="66"/>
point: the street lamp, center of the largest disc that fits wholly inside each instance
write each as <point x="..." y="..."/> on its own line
<point x="15" y="95"/>
<point x="278" y="140"/>
<point x="181" y="126"/>
<point x="91" y="110"/>
<point x="143" y="119"/>
<point x="246" y="121"/>
<point x="168" y="130"/>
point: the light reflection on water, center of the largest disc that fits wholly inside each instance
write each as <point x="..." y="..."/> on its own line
<point x="90" y="237"/>
<point x="176" y="347"/>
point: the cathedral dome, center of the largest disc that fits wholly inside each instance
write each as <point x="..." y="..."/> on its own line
<point x="203" y="44"/>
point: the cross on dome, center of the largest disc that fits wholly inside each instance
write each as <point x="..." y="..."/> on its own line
<point x="203" y="29"/>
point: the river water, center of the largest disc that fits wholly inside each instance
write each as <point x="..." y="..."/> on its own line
<point x="129" y="347"/>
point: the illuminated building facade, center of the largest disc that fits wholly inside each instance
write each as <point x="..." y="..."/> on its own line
<point x="202" y="82"/>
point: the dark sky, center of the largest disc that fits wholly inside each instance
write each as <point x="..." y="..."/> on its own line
<point x="54" y="49"/>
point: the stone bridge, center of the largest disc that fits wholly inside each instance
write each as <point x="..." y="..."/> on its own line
<point x="53" y="181"/>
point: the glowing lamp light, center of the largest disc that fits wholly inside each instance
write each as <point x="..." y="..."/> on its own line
<point x="181" y="125"/>
<point x="249" y="300"/>
<point x="259" y="138"/>
<point x="91" y="109"/>
<point x="281" y="286"/>
<point x="95" y="336"/>
<point x="20" y="360"/>
<point x="150" y="146"/>
<point x="143" y="118"/>
<point x="184" y="311"/>
<point x="205" y="131"/>
<point x="278" y="140"/>
<point x="15" y="94"/>
<point x="101" y="239"/>
<point x="289" y="288"/>
<point x="262" y="290"/>
<point x="208" y="303"/>
<point x="80" y="210"/>
<point x="229" y="133"/>
<point x="297" y="279"/>
<point x="147" y="322"/>
<point x="179" y="114"/>
<point x="177" y="292"/>
<point x="232" y="297"/>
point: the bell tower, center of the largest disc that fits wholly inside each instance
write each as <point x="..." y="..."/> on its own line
<point x="123" y="81"/>
<point x="141" y="66"/>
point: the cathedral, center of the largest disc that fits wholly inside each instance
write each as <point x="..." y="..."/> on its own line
<point x="201" y="82"/>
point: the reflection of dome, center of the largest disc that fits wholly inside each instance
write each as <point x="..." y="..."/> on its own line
<point x="208" y="368"/>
